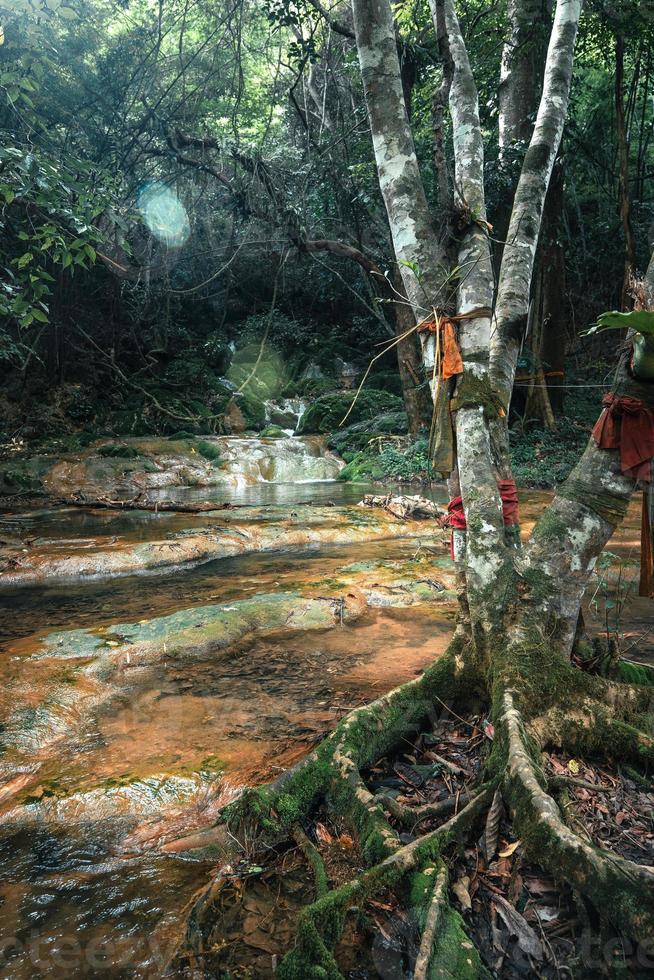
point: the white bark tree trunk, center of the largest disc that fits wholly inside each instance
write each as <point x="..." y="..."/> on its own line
<point x="520" y="250"/>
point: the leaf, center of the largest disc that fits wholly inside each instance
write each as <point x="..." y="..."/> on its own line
<point x="489" y="730"/>
<point x="492" y="826"/>
<point x="518" y="926"/>
<point x="460" y="889"/>
<point x="642" y="321"/>
<point x="24" y="260"/>
<point x="323" y="834"/>
<point x="508" y="851"/>
<point x="573" y="766"/>
<point x="547" y="914"/>
<point x="40" y="316"/>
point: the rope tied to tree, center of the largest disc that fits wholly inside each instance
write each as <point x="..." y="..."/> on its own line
<point x="456" y="518"/>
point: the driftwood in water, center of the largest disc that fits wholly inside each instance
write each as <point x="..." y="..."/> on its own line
<point x="142" y="502"/>
<point x="404" y="507"/>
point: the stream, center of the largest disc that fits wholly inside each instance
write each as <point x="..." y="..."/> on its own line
<point x="113" y="768"/>
<point x="139" y="694"/>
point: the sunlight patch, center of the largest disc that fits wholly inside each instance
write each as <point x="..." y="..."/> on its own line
<point x="164" y="214"/>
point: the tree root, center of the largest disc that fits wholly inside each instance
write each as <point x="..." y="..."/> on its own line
<point x="321" y="923"/>
<point x="333" y="770"/>
<point x="312" y="854"/>
<point x="618" y="889"/>
<point x="622" y="892"/>
<point x="434" y="916"/>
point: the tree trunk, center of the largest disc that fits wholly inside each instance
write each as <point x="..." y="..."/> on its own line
<point x="623" y="176"/>
<point x="415" y="388"/>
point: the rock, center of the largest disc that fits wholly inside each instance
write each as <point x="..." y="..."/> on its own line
<point x="414" y="507"/>
<point x="311" y="371"/>
<point x="358" y="436"/>
<point x="234" y="421"/>
<point x="327" y="413"/>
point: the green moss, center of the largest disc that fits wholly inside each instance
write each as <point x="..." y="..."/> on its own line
<point x="253" y="410"/>
<point x="208" y="450"/>
<point x="550" y="527"/>
<point x="474" y="392"/>
<point x="118" y="451"/>
<point x="362" y="468"/>
<point x="328" y="412"/>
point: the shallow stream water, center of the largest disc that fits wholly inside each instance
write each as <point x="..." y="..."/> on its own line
<point x="86" y="887"/>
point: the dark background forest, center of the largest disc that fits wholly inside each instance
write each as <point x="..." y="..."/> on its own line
<point x="191" y="222"/>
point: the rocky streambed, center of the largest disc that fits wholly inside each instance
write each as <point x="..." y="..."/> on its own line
<point x="153" y="664"/>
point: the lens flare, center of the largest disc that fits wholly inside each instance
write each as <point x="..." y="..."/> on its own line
<point x="164" y="214"/>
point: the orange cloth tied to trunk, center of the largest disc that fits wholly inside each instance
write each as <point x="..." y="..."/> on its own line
<point x="509" y="494"/>
<point x="627" y="425"/>
<point x="450" y="355"/>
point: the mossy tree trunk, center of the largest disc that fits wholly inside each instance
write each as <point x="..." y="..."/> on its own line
<point x="519" y="603"/>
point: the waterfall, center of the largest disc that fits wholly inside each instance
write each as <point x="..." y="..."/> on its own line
<point x="301" y="459"/>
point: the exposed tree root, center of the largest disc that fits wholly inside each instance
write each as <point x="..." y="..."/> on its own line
<point x="432" y="922"/>
<point x="620" y="891"/>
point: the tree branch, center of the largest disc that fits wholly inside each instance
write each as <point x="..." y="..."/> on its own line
<point x="518" y="260"/>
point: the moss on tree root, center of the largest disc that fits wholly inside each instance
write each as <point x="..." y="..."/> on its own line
<point x="331" y="777"/>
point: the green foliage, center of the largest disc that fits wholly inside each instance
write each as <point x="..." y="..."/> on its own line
<point x="47" y="216"/>
<point x="409" y="464"/>
<point x="388" y="461"/>
<point x="642" y="321"/>
<point x="544" y="459"/>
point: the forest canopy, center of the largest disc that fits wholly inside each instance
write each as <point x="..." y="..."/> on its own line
<point x="181" y="180"/>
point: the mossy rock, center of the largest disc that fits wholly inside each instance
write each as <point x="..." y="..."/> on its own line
<point x="309" y="388"/>
<point x="23" y="475"/>
<point x="207" y="449"/>
<point x="389" y="381"/>
<point x="182" y="434"/>
<point x="356" y="437"/>
<point x="118" y="451"/>
<point x="327" y="412"/>
<point x="273" y="432"/>
<point x="253" y="411"/>
<point x="362" y="468"/>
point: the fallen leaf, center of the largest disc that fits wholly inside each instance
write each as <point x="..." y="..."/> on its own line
<point x="547" y="914"/>
<point x="508" y="851"/>
<point x="518" y="926"/>
<point x="323" y="834"/>
<point x="460" y="889"/>
<point x="573" y="766"/>
<point x="489" y="730"/>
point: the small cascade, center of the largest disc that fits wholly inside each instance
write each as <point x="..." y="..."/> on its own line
<point x="286" y="413"/>
<point x="301" y="459"/>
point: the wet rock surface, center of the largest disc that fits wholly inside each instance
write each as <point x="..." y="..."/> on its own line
<point x="135" y="707"/>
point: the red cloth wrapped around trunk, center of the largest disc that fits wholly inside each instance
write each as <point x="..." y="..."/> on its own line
<point x="627" y="425"/>
<point x="509" y="494"/>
